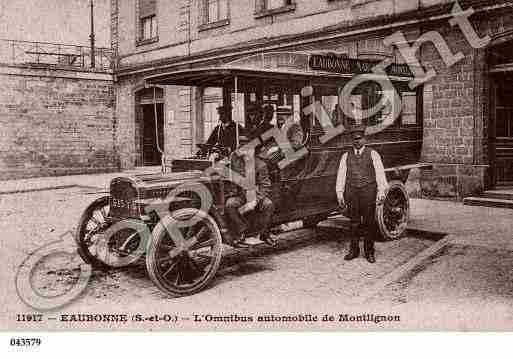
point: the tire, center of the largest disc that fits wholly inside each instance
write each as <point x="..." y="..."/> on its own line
<point x="83" y="232"/>
<point x="120" y="249"/>
<point x="392" y="216"/>
<point x="175" y="265"/>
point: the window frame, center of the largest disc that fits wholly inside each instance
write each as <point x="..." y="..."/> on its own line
<point x="153" y="25"/>
<point x="205" y="22"/>
<point x="262" y="9"/>
<point x="153" y="16"/>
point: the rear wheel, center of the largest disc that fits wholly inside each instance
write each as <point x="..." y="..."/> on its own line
<point x="183" y="257"/>
<point x="392" y="216"/>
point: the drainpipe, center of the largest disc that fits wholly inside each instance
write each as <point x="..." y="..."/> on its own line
<point x="91" y="36"/>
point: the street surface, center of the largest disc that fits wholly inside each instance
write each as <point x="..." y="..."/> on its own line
<point x="451" y="271"/>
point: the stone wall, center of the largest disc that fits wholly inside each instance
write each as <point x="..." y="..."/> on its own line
<point x="456" y="113"/>
<point x="55" y="122"/>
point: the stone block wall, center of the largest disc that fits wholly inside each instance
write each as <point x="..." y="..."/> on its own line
<point x="451" y="118"/>
<point x="55" y="122"/>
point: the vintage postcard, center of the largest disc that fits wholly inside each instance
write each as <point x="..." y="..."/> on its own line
<point x="256" y="165"/>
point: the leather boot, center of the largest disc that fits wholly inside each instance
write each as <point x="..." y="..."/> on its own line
<point x="370" y="257"/>
<point x="354" y="251"/>
<point x="269" y="239"/>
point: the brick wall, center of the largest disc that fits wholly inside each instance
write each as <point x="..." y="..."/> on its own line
<point x="55" y="122"/>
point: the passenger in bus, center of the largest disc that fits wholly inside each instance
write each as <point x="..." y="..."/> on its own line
<point x="283" y="116"/>
<point x="253" y="118"/>
<point x="224" y="135"/>
<point x="263" y="205"/>
<point x="264" y="124"/>
<point x="361" y="184"/>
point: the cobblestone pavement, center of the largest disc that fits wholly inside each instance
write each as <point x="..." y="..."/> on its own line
<point x="305" y="274"/>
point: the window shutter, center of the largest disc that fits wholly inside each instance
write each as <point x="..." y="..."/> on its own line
<point x="147" y="8"/>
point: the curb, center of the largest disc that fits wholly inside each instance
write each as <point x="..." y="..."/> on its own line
<point x="400" y="271"/>
<point x="37" y="189"/>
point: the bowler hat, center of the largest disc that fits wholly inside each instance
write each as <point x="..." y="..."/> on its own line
<point x="253" y="108"/>
<point x="224" y="108"/>
<point x="357" y="131"/>
<point x="268" y="109"/>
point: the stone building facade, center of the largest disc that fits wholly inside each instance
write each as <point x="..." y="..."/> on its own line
<point x="467" y="121"/>
<point x="55" y="121"/>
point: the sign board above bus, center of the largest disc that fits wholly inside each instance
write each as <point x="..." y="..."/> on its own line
<point x="345" y="65"/>
<point x="315" y="64"/>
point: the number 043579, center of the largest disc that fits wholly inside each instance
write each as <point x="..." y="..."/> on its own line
<point x="25" y="342"/>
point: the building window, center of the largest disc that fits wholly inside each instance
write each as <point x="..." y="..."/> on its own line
<point x="276" y="4"/>
<point x="148" y="28"/>
<point x="147" y="14"/>
<point x="214" y="13"/>
<point x="273" y="7"/>
<point x="409" y="108"/>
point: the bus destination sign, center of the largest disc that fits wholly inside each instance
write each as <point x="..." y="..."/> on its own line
<point x="345" y="65"/>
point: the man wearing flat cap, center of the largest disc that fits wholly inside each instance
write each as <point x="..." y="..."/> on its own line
<point x="225" y="134"/>
<point x="361" y="184"/>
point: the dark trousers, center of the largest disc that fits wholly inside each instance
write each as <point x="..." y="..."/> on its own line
<point x="361" y="203"/>
<point x="264" y="208"/>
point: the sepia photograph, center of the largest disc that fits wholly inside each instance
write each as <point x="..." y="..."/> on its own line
<point x="255" y="166"/>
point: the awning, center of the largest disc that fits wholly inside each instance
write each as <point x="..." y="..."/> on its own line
<point x="219" y="77"/>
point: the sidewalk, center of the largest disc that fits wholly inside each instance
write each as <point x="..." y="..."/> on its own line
<point x="480" y="226"/>
<point x="100" y="181"/>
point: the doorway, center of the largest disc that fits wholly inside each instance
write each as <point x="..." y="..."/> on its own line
<point x="501" y="134"/>
<point x="500" y="59"/>
<point x="149" y="102"/>
<point x="151" y="155"/>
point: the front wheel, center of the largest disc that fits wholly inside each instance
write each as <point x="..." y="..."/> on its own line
<point x="119" y="249"/>
<point x="92" y="222"/>
<point x="185" y="252"/>
<point x="392" y="216"/>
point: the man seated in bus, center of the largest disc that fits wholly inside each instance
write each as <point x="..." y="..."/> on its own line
<point x="224" y="135"/>
<point x="253" y="117"/>
<point x="264" y="124"/>
<point x="263" y="205"/>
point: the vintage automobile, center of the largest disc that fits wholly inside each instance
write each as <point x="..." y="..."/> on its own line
<point x="161" y="215"/>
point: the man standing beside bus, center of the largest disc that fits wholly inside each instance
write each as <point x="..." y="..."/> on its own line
<point x="361" y="184"/>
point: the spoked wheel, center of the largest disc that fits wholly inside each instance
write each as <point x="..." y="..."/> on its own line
<point x="185" y="252"/>
<point x="94" y="248"/>
<point x="392" y="216"/>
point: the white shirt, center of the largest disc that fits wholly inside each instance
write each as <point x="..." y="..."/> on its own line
<point x="381" y="179"/>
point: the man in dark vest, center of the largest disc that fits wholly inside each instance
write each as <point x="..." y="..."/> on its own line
<point x="361" y="183"/>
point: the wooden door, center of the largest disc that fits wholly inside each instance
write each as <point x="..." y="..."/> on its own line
<point x="503" y="130"/>
<point x="150" y="147"/>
